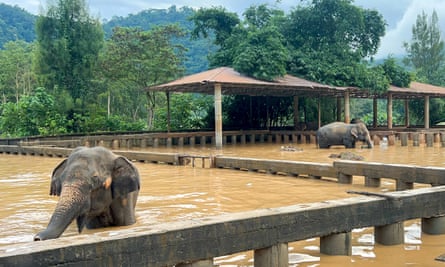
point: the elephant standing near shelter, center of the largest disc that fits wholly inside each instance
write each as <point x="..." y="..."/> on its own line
<point x="340" y="133"/>
<point x="96" y="187"/>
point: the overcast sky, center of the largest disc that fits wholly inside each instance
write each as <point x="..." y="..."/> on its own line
<point x="400" y="15"/>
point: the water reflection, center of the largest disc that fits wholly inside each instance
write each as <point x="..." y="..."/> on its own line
<point x="171" y="193"/>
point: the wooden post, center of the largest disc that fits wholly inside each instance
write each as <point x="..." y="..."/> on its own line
<point x="296" y="113"/>
<point x="389" y="110"/>
<point x="406" y="113"/>
<point x="374" y="112"/>
<point x="218" y="116"/>
<point x="168" y="111"/>
<point x="339" y="108"/>
<point x="347" y="111"/>
<point x="276" y="256"/>
<point x="427" y="112"/>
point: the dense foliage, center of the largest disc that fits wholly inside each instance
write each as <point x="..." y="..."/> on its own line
<point x="83" y="75"/>
<point x="15" y="24"/>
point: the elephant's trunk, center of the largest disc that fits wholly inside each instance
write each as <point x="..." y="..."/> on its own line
<point x="71" y="205"/>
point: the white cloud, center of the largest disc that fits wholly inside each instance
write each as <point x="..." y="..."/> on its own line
<point x="392" y="43"/>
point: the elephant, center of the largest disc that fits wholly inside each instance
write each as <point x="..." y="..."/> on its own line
<point x="340" y="133"/>
<point x="96" y="187"/>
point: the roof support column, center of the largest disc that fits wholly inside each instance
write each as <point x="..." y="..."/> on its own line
<point x="427" y="112"/>
<point x="168" y="112"/>
<point x="406" y="113"/>
<point x="347" y="112"/>
<point x="389" y="111"/>
<point x="374" y="112"/>
<point x="338" y="109"/>
<point x="218" y="116"/>
<point x="296" y="113"/>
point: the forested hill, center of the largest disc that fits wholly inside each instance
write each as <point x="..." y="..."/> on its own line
<point x="198" y="50"/>
<point x="16" y="24"/>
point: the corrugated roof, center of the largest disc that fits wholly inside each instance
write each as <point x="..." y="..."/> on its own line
<point x="234" y="83"/>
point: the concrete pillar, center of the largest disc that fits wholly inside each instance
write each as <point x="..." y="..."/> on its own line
<point x="278" y="138"/>
<point x="243" y="139"/>
<point x="203" y="141"/>
<point x="269" y="138"/>
<point x="313" y="139"/>
<point x="233" y="139"/>
<point x="143" y="143"/>
<point x="344" y="178"/>
<point x="252" y="138"/>
<point x="429" y="139"/>
<point x="218" y="116"/>
<point x="202" y="263"/>
<point x="181" y="141"/>
<point x="442" y="139"/>
<point x="156" y="142"/>
<point x="192" y="141"/>
<point x="416" y="139"/>
<point x="404" y="139"/>
<point x="286" y="138"/>
<point x="402" y="185"/>
<point x="372" y="182"/>
<point x="336" y="244"/>
<point x="169" y="142"/>
<point x="276" y="256"/>
<point x="433" y="225"/>
<point x="391" y="234"/>
<point x="427" y="112"/>
<point x="115" y="144"/>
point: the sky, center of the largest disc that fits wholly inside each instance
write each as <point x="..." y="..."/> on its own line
<point x="400" y="15"/>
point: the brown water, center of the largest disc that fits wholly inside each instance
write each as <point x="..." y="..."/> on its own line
<point x="171" y="193"/>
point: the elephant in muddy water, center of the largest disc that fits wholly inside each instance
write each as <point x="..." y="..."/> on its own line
<point x="340" y="133"/>
<point x="96" y="187"/>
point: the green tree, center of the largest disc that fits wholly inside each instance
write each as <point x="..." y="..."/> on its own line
<point x="69" y="41"/>
<point x="34" y="114"/>
<point x="135" y="59"/>
<point x="329" y="40"/>
<point x="16" y="75"/>
<point x="426" y="49"/>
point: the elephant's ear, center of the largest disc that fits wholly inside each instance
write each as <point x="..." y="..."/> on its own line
<point x="125" y="177"/>
<point x="56" y="179"/>
<point x="354" y="132"/>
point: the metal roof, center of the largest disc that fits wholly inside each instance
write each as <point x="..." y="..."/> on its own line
<point x="234" y="83"/>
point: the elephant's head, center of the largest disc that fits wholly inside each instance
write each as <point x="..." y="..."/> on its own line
<point x="88" y="182"/>
<point x="361" y="133"/>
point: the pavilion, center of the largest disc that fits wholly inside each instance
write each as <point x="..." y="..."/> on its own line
<point x="226" y="81"/>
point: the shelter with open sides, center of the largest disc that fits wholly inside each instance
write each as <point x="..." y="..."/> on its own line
<point x="226" y="81"/>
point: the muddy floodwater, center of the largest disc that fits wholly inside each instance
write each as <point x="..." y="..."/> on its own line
<point x="171" y="193"/>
